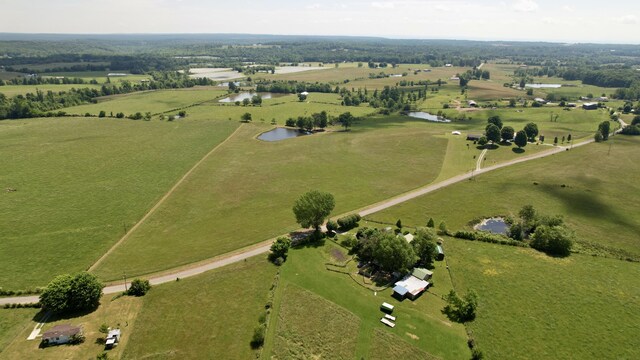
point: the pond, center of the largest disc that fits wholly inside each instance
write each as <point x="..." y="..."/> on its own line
<point x="280" y="133"/>
<point x="543" y="86"/>
<point x="427" y="116"/>
<point x="248" y="95"/>
<point x="494" y="225"/>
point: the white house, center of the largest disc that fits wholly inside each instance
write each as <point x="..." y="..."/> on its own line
<point x="60" y="334"/>
<point x="410" y="286"/>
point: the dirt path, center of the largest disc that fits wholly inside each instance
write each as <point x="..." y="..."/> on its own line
<point x="480" y="158"/>
<point x="263" y="247"/>
<point x="160" y="202"/>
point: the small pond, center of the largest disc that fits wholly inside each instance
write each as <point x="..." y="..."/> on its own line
<point x="543" y="86"/>
<point x="248" y="95"/>
<point x="494" y="225"/>
<point x="280" y="133"/>
<point x="429" y="117"/>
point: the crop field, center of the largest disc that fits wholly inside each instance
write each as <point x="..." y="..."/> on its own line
<point x="243" y="195"/>
<point x="116" y="313"/>
<point x="312" y="327"/>
<point x="419" y="323"/>
<point x="584" y="185"/>
<point x="80" y="183"/>
<point x="209" y="316"/>
<point x="530" y="303"/>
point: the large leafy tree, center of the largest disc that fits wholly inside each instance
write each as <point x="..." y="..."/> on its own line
<point x="393" y="253"/>
<point x="506" y="133"/>
<point x="493" y="133"/>
<point x="495" y="120"/>
<point x="553" y="240"/>
<point x="521" y="139"/>
<point x="532" y="131"/>
<point x="312" y="208"/>
<point x="65" y="293"/>
<point x="604" y="128"/>
<point x="424" y="246"/>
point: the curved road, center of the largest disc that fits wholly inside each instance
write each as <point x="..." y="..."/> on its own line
<point x="263" y="247"/>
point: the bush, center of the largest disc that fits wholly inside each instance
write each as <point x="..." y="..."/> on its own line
<point x="553" y="240"/>
<point x="258" y="336"/>
<point x="349" y="242"/>
<point x="332" y="226"/>
<point x="461" y="309"/>
<point x="631" y="130"/>
<point x="280" y="248"/>
<point x="462" y="234"/>
<point x="76" y="339"/>
<point x="349" y="222"/>
<point x="139" y="287"/>
<point x="72" y="293"/>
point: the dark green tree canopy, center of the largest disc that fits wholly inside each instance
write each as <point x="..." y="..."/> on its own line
<point x="521" y="139"/>
<point x="532" y="131"/>
<point x="493" y="133"/>
<point x="393" y="253"/>
<point x="507" y="133"/>
<point x="67" y="293"/>
<point x="312" y="208"/>
<point x="495" y="120"/>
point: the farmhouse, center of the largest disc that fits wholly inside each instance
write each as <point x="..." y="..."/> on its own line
<point x="60" y="334"/>
<point x="410" y="286"/>
<point x="590" y="106"/>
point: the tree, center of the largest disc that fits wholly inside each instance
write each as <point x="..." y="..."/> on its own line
<point x="65" y="293"/>
<point x="120" y="115"/>
<point x="182" y="113"/>
<point x="302" y="97"/>
<point x="461" y="309"/>
<point x="431" y="223"/>
<point x="256" y="100"/>
<point x="346" y="119"/>
<point x="555" y="141"/>
<point x="399" y="224"/>
<point x="636" y="120"/>
<point x="424" y="246"/>
<point x="521" y="139"/>
<point x="332" y="226"/>
<point x="553" y="240"/>
<point x="512" y="103"/>
<point x="312" y="208"/>
<point x="531" y="129"/>
<point x="139" y="287"/>
<point x="246" y="117"/>
<point x="493" y="133"/>
<point x="495" y="120"/>
<point x="246" y="102"/>
<point x="598" y="137"/>
<point x="280" y="248"/>
<point x="569" y="138"/>
<point x="483" y="141"/>
<point x="393" y="253"/>
<point x="507" y="133"/>
<point x="102" y="114"/>
<point x="604" y="128"/>
<point x="442" y="228"/>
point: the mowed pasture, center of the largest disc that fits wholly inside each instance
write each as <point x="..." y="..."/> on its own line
<point x="12" y="323"/>
<point x="80" y="183"/>
<point x="243" y="195"/>
<point x="209" y="316"/>
<point x="549" y="308"/>
<point x="592" y="186"/>
<point x="420" y="325"/>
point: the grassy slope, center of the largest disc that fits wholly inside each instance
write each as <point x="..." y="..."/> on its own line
<point x="120" y="313"/>
<point x="599" y="199"/>
<point x="12" y="323"/>
<point x="243" y="194"/>
<point x="209" y="316"/>
<point x="573" y="308"/>
<point x="79" y="181"/>
<point x="419" y="323"/>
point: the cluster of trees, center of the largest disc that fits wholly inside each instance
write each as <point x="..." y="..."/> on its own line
<point x="309" y="123"/>
<point x="633" y="128"/>
<point x="38" y="80"/>
<point x="545" y="233"/>
<point x="294" y="87"/>
<point x="475" y="74"/>
<point x="138" y="287"/>
<point x="39" y="103"/>
<point x="461" y="309"/>
<point x="279" y="250"/>
<point x="389" y="99"/>
<point x="392" y="252"/>
<point x="602" y="134"/>
<point x="496" y="132"/>
<point x="69" y="293"/>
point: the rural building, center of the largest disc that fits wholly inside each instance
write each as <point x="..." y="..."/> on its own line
<point x="456" y="132"/>
<point x="590" y="106"/>
<point x="473" y="103"/>
<point x="540" y="100"/>
<point x="113" y="338"/>
<point x="603" y="99"/>
<point x="472" y="137"/>
<point x="410" y="286"/>
<point x="409" y="238"/>
<point x="422" y="274"/>
<point x="440" y="255"/>
<point x="304" y="93"/>
<point x="60" y="334"/>
<point x="448" y="65"/>
<point x="386" y="307"/>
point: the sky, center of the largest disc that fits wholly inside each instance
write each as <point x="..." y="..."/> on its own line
<point x="613" y="21"/>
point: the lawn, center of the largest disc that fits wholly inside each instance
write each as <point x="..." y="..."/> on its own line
<point x="243" y="194"/>
<point x="120" y="312"/>
<point x="388" y="346"/>
<point x="209" y="316"/>
<point x="81" y="182"/>
<point x="532" y="305"/>
<point x="12" y="323"/>
<point x="311" y="327"/>
<point x="419" y="323"/>
<point x="592" y="186"/>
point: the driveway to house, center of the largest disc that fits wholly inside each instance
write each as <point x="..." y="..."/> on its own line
<point x="263" y="247"/>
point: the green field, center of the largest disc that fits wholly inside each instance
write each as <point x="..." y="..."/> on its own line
<point x="13" y="90"/>
<point x="419" y="323"/>
<point x="80" y="182"/>
<point x="12" y="323"/>
<point x="210" y="316"/>
<point x="534" y="305"/>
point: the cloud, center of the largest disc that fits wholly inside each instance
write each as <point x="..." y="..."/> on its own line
<point x="383" y="4"/>
<point x="629" y="19"/>
<point x="314" y="6"/>
<point x="525" y="6"/>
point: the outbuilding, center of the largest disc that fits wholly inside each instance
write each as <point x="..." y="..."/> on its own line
<point x="440" y="252"/>
<point x="590" y="106"/>
<point x="410" y="286"/>
<point x="472" y="137"/>
<point x="60" y="334"/>
<point x="422" y="274"/>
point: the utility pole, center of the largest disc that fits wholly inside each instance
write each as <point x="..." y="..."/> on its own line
<point x="124" y="276"/>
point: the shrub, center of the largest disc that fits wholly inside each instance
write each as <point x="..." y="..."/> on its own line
<point x="349" y="242"/>
<point x="461" y="309"/>
<point x="280" y="248"/>
<point x="462" y="234"/>
<point x="139" y="287"/>
<point x="553" y="240"/>
<point x="76" y="339"/>
<point x="442" y="228"/>
<point x="72" y="293"/>
<point x="332" y="225"/>
<point x="258" y="336"/>
<point x="349" y="222"/>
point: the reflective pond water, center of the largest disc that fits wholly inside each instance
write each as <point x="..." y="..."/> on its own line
<point x="278" y="134"/>
<point x="427" y="116"/>
<point x="494" y="225"/>
<point x="543" y="86"/>
<point x="248" y="95"/>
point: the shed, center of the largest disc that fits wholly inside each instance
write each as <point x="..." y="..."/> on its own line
<point x="304" y="93"/>
<point x="60" y="334"/>
<point x="590" y="106"/>
<point x="472" y="137"/>
<point x="472" y="103"/>
<point x="456" y="132"/>
<point x="440" y="255"/>
<point x="408" y="237"/>
<point x="410" y="286"/>
<point x="387" y="322"/>
<point x="540" y="100"/>
<point x="386" y="307"/>
<point x="422" y="274"/>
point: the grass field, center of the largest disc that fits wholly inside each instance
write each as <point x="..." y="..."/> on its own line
<point x="80" y="182"/>
<point x="598" y="199"/>
<point x="388" y="346"/>
<point x="12" y="90"/>
<point x="12" y="323"/>
<point x="310" y="327"/>
<point x="210" y="316"/>
<point x="419" y="323"/>
<point x="244" y="194"/>
<point x="120" y="313"/>
<point x="532" y="304"/>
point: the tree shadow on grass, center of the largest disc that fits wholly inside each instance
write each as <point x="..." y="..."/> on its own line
<point x="518" y="150"/>
<point x="47" y="317"/>
<point x="488" y="147"/>
<point x="306" y="239"/>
